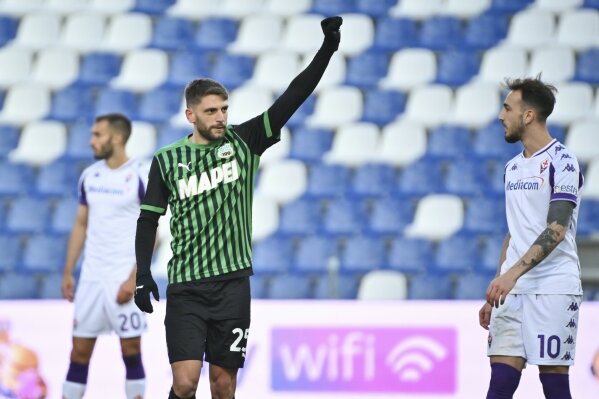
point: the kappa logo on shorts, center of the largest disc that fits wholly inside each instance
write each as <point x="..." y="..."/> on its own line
<point x="567" y="356"/>
<point x="569" y="340"/>
<point x="573" y="307"/>
<point x="571" y="324"/>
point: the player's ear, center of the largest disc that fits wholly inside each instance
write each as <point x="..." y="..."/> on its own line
<point x="190" y="116"/>
<point x="529" y="116"/>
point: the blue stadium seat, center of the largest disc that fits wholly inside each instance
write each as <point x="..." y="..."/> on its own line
<point x="339" y="287"/>
<point x="588" y="218"/>
<point x="232" y="70"/>
<point x="309" y="144"/>
<point x="366" y="69"/>
<point x="8" y="29"/>
<point x="152" y="7"/>
<point x="491" y="253"/>
<point x="2" y="95"/>
<point x="215" y="34"/>
<point x="27" y="215"/>
<point x="314" y="254"/>
<point x="10" y="248"/>
<point x="457" y="254"/>
<point x="186" y="66"/>
<point x="18" y="286"/>
<point x="64" y="215"/>
<point x="591" y="4"/>
<point x="557" y="132"/>
<point x="344" y="218"/>
<point x="288" y="286"/>
<point x="466" y="178"/>
<point x="159" y="105"/>
<point x="383" y="106"/>
<point x="508" y="6"/>
<point x="300" y="218"/>
<point x="485" y="215"/>
<point x="424" y="286"/>
<point x="372" y="181"/>
<point x="16" y="178"/>
<point x="496" y="186"/>
<point x="410" y="255"/>
<point x="51" y="286"/>
<point x="98" y="69"/>
<point x="57" y="179"/>
<point x="9" y="139"/>
<point x="362" y="254"/>
<point x="259" y="286"/>
<point x="333" y="7"/>
<point x="328" y="181"/>
<point x="489" y="143"/>
<point x="448" y="142"/>
<point x="72" y="104"/>
<point x="456" y="68"/>
<point x="374" y="8"/>
<point x="272" y="255"/>
<point x="44" y="254"/>
<point x="587" y="67"/>
<point x="485" y="31"/>
<point x="441" y="33"/>
<point x="420" y="178"/>
<point x="172" y="34"/>
<point x="78" y="147"/>
<point x="113" y="100"/>
<point x="170" y="134"/>
<point x="472" y="286"/>
<point x="389" y="216"/>
<point x="162" y="283"/>
<point x="304" y="111"/>
<point x="392" y="34"/>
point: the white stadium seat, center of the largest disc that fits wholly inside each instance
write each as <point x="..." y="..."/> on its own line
<point x="25" y="103"/>
<point x="18" y="8"/>
<point x="248" y="102"/>
<point x="110" y="7"/>
<point x="126" y="32"/>
<point x="476" y="104"/>
<point x="83" y="32"/>
<point x="465" y="8"/>
<point x="142" y="142"/>
<point x="410" y="68"/>
<point x="358" y="34"/>
<point x="430" y="105"/>
<point x="501" y="62"/>
<point x="40" y="143"/>
<point x="531" y="29"/>
<point x="15" y="64"/>
<point x="582" y="140"/>
<point x="275" y="70"/>
<point x="38" y="30"/>
<point x="279" y="151"/>
<point x="417" y="9"/>
<point x="193" y="9"/>
<point x="55" y="68"/>
<point x="302" y="33"/>
<point x="336" y="106"/>
<point x="437" y="217"/>
<point x="383" y="285"/>
<point x="283" y="181"/>
<point x="265" y="217"/>
<point x="573" y="102"/>
<point x="557" y="5"/>
<point x="65" y="6"/>
<point x="402" y="143"/>
<point x="142" y="70"/>
<point x="239" y="8"/>
<point x="579" y="29"/>
<point x="257" y="34"/>
<point x="557" y="64"/>
<point x="286" y="8"/>
<point x="354" y="144"/>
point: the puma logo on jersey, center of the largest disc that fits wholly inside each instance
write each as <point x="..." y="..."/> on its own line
<point x="208" y="180"/>
<point x="182" y="165"/>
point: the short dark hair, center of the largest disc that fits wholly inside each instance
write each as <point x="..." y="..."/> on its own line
<point x="118" y="122"/>
<point x="198" y="88"/>
<point x="535" y="93"/>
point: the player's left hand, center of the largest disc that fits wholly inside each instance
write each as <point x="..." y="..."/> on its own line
<point x="330" y="27"/>
<point x="499" y="288"/>
<point x="145" y="285"/>
<point x="126" y="291"/>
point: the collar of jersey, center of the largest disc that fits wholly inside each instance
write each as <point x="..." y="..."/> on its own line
<point x="208" y="146"/>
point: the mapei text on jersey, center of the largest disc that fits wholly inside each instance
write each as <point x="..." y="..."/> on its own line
<point x="209" y="180"/>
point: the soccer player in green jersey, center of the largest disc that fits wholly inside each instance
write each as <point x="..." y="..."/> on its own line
<point x="207" y="180"/>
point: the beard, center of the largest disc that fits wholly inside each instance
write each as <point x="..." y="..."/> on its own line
<point x="104" y="152"/>
<point x="210" y="133"/>
<point x="516" y="134"/>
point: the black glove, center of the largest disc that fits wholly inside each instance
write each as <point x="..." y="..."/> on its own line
<point x="332" y="36"/>
<point x="144" y="285"/>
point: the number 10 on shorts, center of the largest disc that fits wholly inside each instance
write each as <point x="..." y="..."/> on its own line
<point x="240" y="341"/>
<point x="552" y="345"/>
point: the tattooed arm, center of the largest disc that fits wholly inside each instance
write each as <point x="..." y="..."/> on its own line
<point x="558" y="220"/>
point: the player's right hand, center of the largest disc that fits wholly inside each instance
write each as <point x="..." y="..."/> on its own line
<point x="144" y="284"/>
<point x="484" y="315"/>
<point x="68" y="287"/>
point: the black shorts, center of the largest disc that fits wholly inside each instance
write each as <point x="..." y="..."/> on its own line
<point x="208" y="318"/>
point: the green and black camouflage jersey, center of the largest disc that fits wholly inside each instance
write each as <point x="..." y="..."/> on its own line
<point x="209" y="190"/>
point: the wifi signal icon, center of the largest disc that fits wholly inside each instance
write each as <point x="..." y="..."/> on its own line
<point x="414" y="357"/>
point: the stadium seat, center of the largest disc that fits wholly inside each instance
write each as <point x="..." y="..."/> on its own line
<point x="309" y="144"/>
<point x="37" y="31"/>
<point x="448" y="142"/>
<point x="575" y="103"/>
<point x="110" y="7"/>
<point x="556" y="63"/>
<point x="159" y="105"/>
<point x="416" y="9"/>
<point x="582" y="140"/>
<point x="55" y="68"/>
<point x="10" y="246"/>
<point x="354" y="144"/>
<point x="476" y="104"/>
<point x="44" y="254"/>
<point x="25" y="103"/>
<point x="332" y="7"/>
<point x="279" y="151"/>
<point x="531" y="29"/>
<point x="383" y="106"/>
<point x="328" y="181"/>
<point x="50" y="286"/>
<point x="419" y="178"/>
<point x="286" y="8"/>
<point x="383" y="285"/>
<point x="64" y="7"/>
<point x="437" y="217"/>
<point x="169" y="134"/>
<point x="393" y="34"/>
<point x="456" y="254"/>
<point x="485" y="31"/>
<point x="315" y="254"/>
<point x="288" y="286"/>
<point x="465" y="9"/>
<point x="336" y="106"/>
<point x="15" y="63"/>
<point x="485" y="215"/>
<point x="588" y="219"/>
<point x="78" y="144"/>
<point x="489" y="143"/>
<point x="306" y="109"/>
<point x="402" y="143"/>
<point x="172" y="34"/>
<point x="57" y="179"/>
<point x="410" y="68"/>
<point x="112" y="100"/>
<point x="275" y="70"/>
<point x="284" y="181"/>
<point x="441" y="33"/>
<point x="491" y="254"/>
<point x="465" y="178"/>
<point x="215" y="34"/>
<point x="16" y="178"/>
<point x="9" y="138"/>
<point x="127" y="32"/>
<point x="239" y="9"/>
<point x="509" y="6"/>
<point x="501" y="62"/>
<point x="301" y="217"/>
<point x="472" y="286"/>
<point x="591" y="4"/>
<point x="64" y="214"/>
<point x="457" y="67"/>
<point x="83" y="31"/>
<point x="142" y="70"/>
<point x="193" y="9"/>
<point x="246" y="103"/>
<point x="142" y="142"/>
<point x="410" y="255"/>
<point x="18" y="8"/>
<point x="591" y="181"/>
<point x="422" y="99"/>
<point x="429" y="287"/>
<point x="302" y="34"/>
<point x="17" y="286"/>
<point x="72" y="104"/>
<point x="374" y="8"/>
<point x="333" y="77"/>
<point x="186" y="66"/>
<point x="587" y="67"/>
<point x="272" y="256"/>
<point x="372" y="181"/>
<point x="259" y="286"/>
<point x="338" y="287"/>
<point x="496" y="186"/>
<point x="40" y="143"/>
<point x="578" y="29"/>
<point x="358" y="34"/>
<point x="389" y="216"/>
<point x="259" y="33"/>
<point x="27" y="215"/>
<point x="232" y="70"/>
<point x="344" y="218"/>
<point x="362" y="254"/>
<point x="98" y="69"/>
<point x="366" y="69"/>
<point x="265" y="217"/>
<point x="153" y="7"/>
<point x="557" y="5"/>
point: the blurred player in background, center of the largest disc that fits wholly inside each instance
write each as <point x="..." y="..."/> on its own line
<point x="207" y="180"/>
<point x="532" y="303"/>
<point x="110" y="193"/>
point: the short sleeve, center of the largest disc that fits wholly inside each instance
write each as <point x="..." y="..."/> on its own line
<point x="81" y="194"/>
<point x="565" y="177"/>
